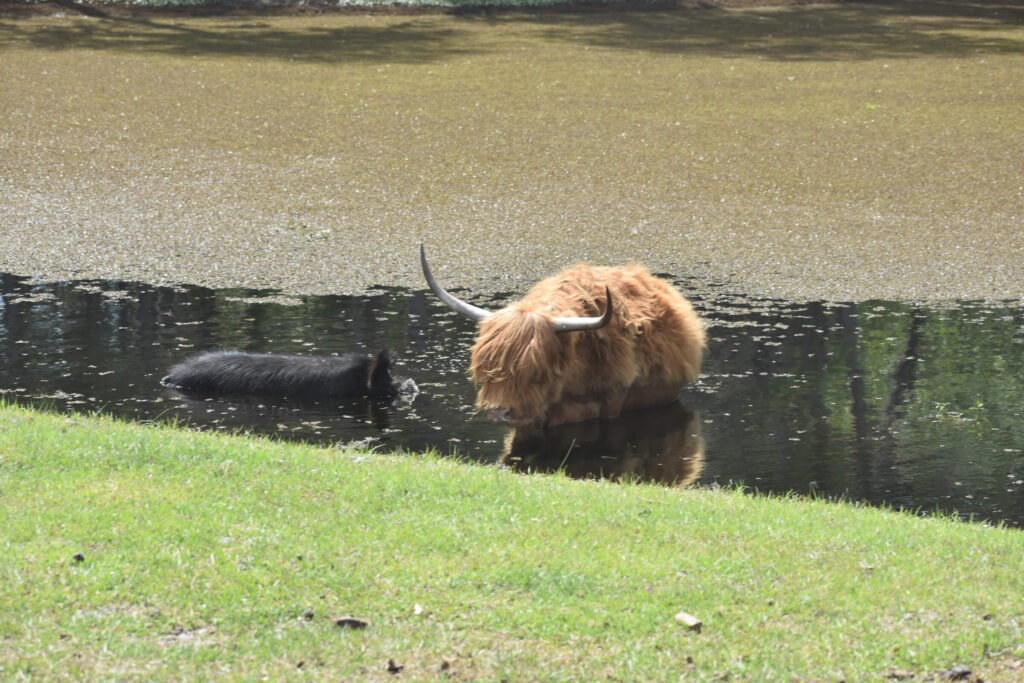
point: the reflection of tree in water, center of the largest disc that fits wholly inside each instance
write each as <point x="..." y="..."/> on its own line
<point x="874" y="444"/>
<point x="892" y="402"/>
<point x="902" y="378"/>
<point x="661" y="445"/>
<point x="905" y="373"/>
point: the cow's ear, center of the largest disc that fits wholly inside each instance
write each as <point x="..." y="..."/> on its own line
<point x="380" y="369"/>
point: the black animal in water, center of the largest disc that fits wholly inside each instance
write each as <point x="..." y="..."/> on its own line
<point x="348" y="375"/>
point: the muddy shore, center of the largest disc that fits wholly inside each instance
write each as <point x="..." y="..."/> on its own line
<point x="842" y="152"/>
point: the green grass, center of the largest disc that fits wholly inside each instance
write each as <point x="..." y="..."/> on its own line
<point x="208" y="556"/>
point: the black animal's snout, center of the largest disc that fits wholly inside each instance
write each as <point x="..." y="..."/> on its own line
<point x="379" y="384"/>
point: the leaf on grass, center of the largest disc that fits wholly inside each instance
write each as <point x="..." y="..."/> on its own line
<point x="957" y="673"/>
<point x="689" y="621"/>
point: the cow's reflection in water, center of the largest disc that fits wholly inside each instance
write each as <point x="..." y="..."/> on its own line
<point x="661" y="445"/>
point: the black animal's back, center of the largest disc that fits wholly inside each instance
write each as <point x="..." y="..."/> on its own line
<point x="237" y="372"/>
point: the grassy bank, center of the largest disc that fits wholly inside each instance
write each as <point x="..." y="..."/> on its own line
<point x="132" y="551"/>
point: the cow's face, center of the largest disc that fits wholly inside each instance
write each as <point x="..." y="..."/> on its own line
<point x="517" y="365"/>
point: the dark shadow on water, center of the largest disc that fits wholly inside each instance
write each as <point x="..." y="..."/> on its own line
<point x="411" y="40"/>
<point x="925" y="28"/>
<point x="823" y="32"/>
<point x="86" y="10"/>
<point x="890" y="403"/>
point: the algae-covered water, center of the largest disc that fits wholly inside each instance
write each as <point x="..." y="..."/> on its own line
<point x="837" y="152"/>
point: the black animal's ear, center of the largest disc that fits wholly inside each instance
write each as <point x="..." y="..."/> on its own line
<point x="380" y="370"/>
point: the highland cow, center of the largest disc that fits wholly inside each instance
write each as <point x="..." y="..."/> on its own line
<point x="554" y="356"/>
<point x="349" y="375"/>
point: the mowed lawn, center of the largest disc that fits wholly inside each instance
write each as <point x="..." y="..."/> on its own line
<point x="140" y="552"/>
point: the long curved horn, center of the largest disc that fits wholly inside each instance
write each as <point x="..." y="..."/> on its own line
<point x="581" y="324"/>
<point x="461" y="307"/>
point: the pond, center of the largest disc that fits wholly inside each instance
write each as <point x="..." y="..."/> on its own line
<point x="892" y="403"/>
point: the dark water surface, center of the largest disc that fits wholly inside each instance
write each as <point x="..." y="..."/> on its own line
<point x="911" y="406"/>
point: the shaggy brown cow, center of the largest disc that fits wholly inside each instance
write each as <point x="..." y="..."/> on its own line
<point x="554" y="357"/>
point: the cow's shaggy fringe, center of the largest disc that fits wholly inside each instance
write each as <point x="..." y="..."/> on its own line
<point x="528" y="372"/>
